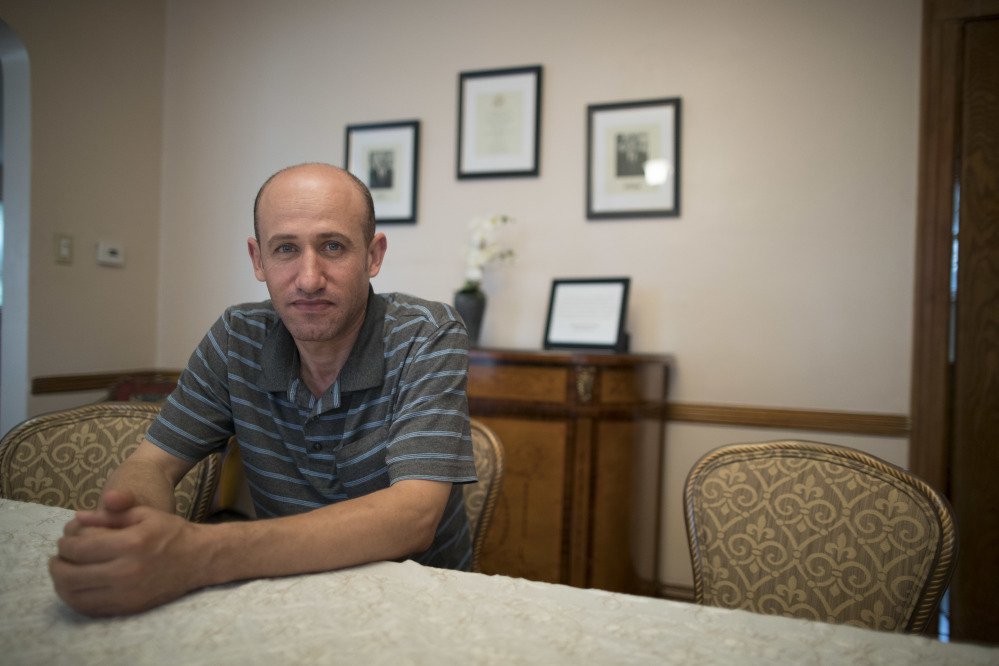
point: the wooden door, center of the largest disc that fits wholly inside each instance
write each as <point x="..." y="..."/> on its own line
<point x="955" y="408"/>
<point x="975" y="447"/>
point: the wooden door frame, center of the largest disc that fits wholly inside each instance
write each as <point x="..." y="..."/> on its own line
<point x="939" y="164"/>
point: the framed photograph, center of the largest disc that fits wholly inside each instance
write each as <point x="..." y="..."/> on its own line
<point x="385" y="156"/>
<point x="633" y="159"/>
<point x="499" y="120"/>
<point x="587" y="314"/>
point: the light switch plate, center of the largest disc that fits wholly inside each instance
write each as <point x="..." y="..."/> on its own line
<point x="62" y="248"/>
<point x="110" y="254"/>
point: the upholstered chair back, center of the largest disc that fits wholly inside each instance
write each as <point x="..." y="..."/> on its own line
<point x="480" y="498"/>
<point x="820" y="532"/>
<point x="63" y="458"/>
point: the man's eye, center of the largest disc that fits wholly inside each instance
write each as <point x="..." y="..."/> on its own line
<point x="283" y="248"/>
<point x="332" y="246"/>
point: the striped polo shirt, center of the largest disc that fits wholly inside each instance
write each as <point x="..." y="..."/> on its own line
<point x="398" y="410"/>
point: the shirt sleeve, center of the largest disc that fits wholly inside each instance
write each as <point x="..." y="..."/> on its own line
<point x="196" y="419"/>
<point x="430" y="437"/>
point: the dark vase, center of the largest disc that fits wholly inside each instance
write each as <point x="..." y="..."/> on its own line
<point x="471" y="305"/>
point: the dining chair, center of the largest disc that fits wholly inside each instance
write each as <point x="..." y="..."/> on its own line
<point x="63" y="458"/>
<point x="816" y="531"/>
<point x="481" y="497"/>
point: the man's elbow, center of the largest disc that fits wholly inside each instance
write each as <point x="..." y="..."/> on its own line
<point x="425" y="502"/>
<point x="425" y="530"/>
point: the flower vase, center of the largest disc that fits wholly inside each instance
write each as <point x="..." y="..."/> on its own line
<point x="471" y="305"/>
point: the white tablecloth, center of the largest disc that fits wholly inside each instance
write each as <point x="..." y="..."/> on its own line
<point x="391" y="613"/>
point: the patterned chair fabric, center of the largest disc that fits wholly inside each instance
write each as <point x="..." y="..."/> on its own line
<point x="816" y="531"/>
<point x="480" y="498"/>
<point x="63" y="458"/>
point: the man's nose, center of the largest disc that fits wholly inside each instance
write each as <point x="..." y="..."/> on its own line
<point x="310" y="273"/>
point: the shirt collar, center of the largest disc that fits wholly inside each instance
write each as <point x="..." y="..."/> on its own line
<point x="280" y="364"/>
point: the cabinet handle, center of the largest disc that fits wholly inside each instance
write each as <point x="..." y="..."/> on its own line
<point x="584" y="383"/>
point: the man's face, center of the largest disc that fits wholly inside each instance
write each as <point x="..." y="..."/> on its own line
<point x="312" y="253"/>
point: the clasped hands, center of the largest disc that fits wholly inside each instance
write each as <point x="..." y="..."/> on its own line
<point x="123" y="558"/>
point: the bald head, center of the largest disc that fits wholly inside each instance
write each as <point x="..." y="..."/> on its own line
<point x="326" y="172"/>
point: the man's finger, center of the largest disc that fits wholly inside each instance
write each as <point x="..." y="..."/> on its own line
<point x="85" y="589"/>
<point x="117" y="500"/>
<point x="98" y="544"/>
<point x="102" y="518"/>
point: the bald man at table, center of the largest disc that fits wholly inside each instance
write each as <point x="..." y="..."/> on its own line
<point x="349" y="408"/>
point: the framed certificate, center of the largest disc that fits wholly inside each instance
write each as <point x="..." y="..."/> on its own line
<point x="499" y="119"/>
<point x="385" y="157"/>
<point x="587" y="314"/>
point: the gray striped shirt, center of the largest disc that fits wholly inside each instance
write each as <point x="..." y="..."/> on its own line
<point x="397" y="411"/>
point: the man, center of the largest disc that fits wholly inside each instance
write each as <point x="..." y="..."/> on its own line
<point x="349" y="408"/>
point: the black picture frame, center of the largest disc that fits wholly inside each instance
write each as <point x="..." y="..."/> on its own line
<point x="499" y="123"/>
<point x="588" y="313"/>
<point x="386" y="158"/>
<point x="633" y="159"/>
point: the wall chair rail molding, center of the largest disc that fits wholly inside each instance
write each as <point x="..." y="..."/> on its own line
<point x="855" y="423"/>
<point x="94" y="381"/>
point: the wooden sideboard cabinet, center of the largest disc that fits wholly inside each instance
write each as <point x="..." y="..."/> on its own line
<point x="583" y="435"/>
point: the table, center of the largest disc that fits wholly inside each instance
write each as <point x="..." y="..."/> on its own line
<point x="404" y="613"/>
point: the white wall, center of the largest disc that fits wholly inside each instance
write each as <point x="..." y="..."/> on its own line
<point x="787" y="281"/>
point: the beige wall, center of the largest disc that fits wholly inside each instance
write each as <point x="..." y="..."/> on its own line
<point x="96" y="117"/>
<point x="786" y="282"/>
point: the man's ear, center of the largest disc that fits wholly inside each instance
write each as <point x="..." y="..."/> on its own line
<point x="376" y="253"/>
<point x="254" y="249"/>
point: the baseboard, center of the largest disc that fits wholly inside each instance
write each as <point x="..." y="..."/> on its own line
<point x="675" y="592"/>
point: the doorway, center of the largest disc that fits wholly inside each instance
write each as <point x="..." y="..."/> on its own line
<point x="15" y="188"/>
<point x="955" y="381"/>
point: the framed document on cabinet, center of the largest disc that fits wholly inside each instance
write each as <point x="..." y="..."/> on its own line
<point x="587" y="313"/>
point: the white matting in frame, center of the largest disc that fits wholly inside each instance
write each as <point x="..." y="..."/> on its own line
<point x="633" y="167"/>
<point x="385" y="157"/>
<point x="499" y="120"/>
<point x="587" y="313"/>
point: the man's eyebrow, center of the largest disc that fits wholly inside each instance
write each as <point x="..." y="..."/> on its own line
<point x="323" y="237"/>
<point x="277" y="239"/>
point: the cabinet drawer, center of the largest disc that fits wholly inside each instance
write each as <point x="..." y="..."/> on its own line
<point x="523" y="383"/>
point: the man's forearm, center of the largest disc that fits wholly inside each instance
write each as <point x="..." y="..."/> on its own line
<point x="147" y="481"/>
<point x="151" y="474"/>
<point x="386" y="525"/>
